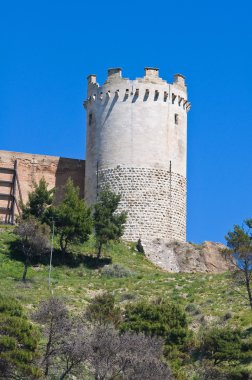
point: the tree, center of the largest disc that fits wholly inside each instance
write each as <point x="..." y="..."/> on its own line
<point x="165" y="319"/>
<point x="239" y="242"/>
<point x="18" y="342"/>
<point x="73" y="218"/>
<point x="34" y="238"/>
<point x="39" y="201"/>
<point x="128" y="355"/>
<point x="67" y="340"/>
<point x="53" y="315"/>
<point x="74" y="351"/>
<point x="77" y="348"/>
<point x="222" y="345"/>
<point x="108" y="223"/>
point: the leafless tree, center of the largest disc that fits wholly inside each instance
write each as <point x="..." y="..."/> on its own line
<point x="34" y="238"/>
<point x="53" y="316"/>
<point x="128" y="356"/>
<point x="74" y="351"/>
<point x="74" y="347"/>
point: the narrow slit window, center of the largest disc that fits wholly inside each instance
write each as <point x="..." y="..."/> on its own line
<point x="90" y="117"/>
<point x="176" y="118"/>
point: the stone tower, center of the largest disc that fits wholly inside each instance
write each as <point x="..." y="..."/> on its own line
<point x="136" y="144"/>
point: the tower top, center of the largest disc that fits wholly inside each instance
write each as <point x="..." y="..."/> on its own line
<point x="151" y="75"/>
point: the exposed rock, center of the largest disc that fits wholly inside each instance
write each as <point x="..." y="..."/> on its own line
<point x="187" y="257"/>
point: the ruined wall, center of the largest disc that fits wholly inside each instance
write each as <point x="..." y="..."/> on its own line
<point x="32" y="167"/>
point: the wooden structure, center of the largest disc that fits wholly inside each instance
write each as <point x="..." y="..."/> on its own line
<point x="9" y="188"/>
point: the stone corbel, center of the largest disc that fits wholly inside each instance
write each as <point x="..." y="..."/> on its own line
<point x="188" y="107"/>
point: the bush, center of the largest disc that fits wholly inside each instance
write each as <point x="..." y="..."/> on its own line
<point x="227" y="316"/>
<point x="102" y="310"/>
<point x="192" y="309"/>
<point x="128" y="296"/>
<point x="140" y="247"/>
<point x="18" y="342"/>
<point x="221" y="345"/>
<point x="165" y="319"/>
<point x="208" y="371"/>
<point x="116" y="270"/>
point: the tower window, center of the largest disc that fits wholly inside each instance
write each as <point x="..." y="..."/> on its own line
<point x="176" y="118"/>
<point x="90" y="116"/>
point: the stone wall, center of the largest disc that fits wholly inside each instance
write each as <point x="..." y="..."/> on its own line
<point x="155" y="200"/>
<point x="32" y="167"/>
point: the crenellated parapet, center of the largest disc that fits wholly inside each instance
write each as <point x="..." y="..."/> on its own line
<point x="149" y="88"/>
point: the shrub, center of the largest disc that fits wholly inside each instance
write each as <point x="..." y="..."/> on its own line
<point x="128" y="296"/>
<point x="192" y="309"/>
<point x="116" y="270"/>
<point x="221" y="345"/>
<point x="18" y="342"/>
<point x="140" y="247"/>
<point x="165" y="319"/>
<point x="102" y="310"/>
<point x="227" y="316"/>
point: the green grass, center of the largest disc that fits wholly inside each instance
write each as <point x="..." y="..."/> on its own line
<point x="213" y="294"/>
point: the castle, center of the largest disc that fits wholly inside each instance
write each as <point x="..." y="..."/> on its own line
<point x="136" y="144"/>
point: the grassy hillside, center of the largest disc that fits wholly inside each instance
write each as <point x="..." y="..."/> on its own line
<point x="207" y="297"/>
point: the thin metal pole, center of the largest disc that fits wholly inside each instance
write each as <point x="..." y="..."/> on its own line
<point x="50" y="266"/>
<point x="97" y="179"/>
<point x="14" y="193"/>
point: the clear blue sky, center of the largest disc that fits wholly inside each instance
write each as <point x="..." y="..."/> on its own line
<point x="48" y="48"/>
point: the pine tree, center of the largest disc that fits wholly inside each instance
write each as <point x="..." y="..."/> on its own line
<point x="39" y="201"/>
<point x="73" y="219"/>
<point x="18" y="342"/>
<point x="240" y="243"/>
<point x="108" y="223"/>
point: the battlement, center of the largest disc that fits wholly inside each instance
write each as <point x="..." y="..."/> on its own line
<point x="151" y="75"/>
<point x="151" y="87"/>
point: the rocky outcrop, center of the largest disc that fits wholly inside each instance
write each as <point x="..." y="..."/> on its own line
<point x="187" y="257"/>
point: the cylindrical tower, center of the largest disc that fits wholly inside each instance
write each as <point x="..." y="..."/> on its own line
<point x="136" y="144"/>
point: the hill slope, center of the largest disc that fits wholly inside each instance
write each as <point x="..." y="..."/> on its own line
<point x="212" y="295"/>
